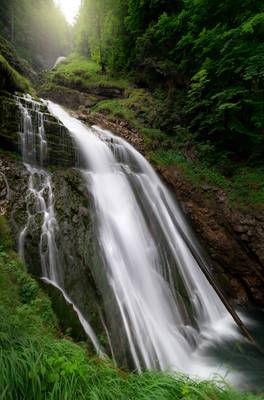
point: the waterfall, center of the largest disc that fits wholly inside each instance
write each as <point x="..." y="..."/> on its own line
<point x="40" y="201"/>
<point x="163" y="303"/>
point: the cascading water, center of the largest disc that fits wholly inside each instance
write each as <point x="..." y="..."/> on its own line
<point x="166" y="306"/>
<point x="40" y="201"/>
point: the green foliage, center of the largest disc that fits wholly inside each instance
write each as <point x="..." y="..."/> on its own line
<point x="11" y="80"/>
<point x="138" y="107"/>
<point x="143" y="110"/>
<point x="206" y="57"/>
<point x="100" y="33"/>
<point x="197" y="172"/>
<point x="114" y="108"/>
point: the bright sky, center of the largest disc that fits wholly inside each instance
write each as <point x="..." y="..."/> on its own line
<point x="69" y="8"/>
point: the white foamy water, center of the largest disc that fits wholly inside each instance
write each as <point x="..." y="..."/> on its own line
<point x="167" y="308"/>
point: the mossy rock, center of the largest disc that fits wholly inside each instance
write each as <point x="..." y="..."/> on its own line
<point x="9" y="124"/>
<point x="19" y="64"/>
<point x="5" y="234"/>
<point x="11" y="80"/>
<point x="68" y="320"/>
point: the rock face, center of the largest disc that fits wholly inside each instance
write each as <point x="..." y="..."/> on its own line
<point x="233" y="240"/>
<point x="75" y="236"/>
<point x="61" y="149"/>
<point x="69" y="98"/>
<point x="120" y="128"/>
<point x="74" y="97"/>
<point x="77" y="243"/>
<point x="75" y="240"/>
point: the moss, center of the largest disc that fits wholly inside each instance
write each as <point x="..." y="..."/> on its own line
<point x="11" y="80"/>
<point x="116" y="109"/>
<point x="5" y="233"/>
<point x="19" y="64"/>
<point x="247" y="188"/>
<point x="25" y="310"/>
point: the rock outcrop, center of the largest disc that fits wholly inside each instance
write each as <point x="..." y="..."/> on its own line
<point x="61" y="149"/>
<point x="233" y="239"/>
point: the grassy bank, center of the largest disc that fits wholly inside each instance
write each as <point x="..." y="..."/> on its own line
<point x="244" y="188"/>
<point x="82" y="74"/>
<point x="37" y="362"/>
<point x="200" y="162"/>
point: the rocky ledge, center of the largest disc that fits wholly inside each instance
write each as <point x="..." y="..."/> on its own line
<point x="61" y="149"/>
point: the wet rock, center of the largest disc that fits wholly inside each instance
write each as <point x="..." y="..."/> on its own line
<point x="244" y="238"/>
<point x="68" y="320"/>
<point x="76" y="97"/>
<point x="75" y="219"/>
<point x="240" y="228"/>
<point x="120" y="128"/>
<point x="84" y="212"/>
<point x="77" y="243"/>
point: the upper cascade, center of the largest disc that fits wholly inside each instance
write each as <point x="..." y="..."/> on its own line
<point x="32" y="134"/>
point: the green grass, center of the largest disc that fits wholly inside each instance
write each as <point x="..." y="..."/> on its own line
<point x="116" y="109"/>
<point x="83" y="74"/>
<point x="245" y="189"/>
<point x="195" y="171"/>
<point x="37" y="363"/>
<point x="138" y="107"/>
<point x="11" y="80"/>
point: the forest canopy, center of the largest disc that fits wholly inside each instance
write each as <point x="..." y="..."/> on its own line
<point x="205" y="58"/>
